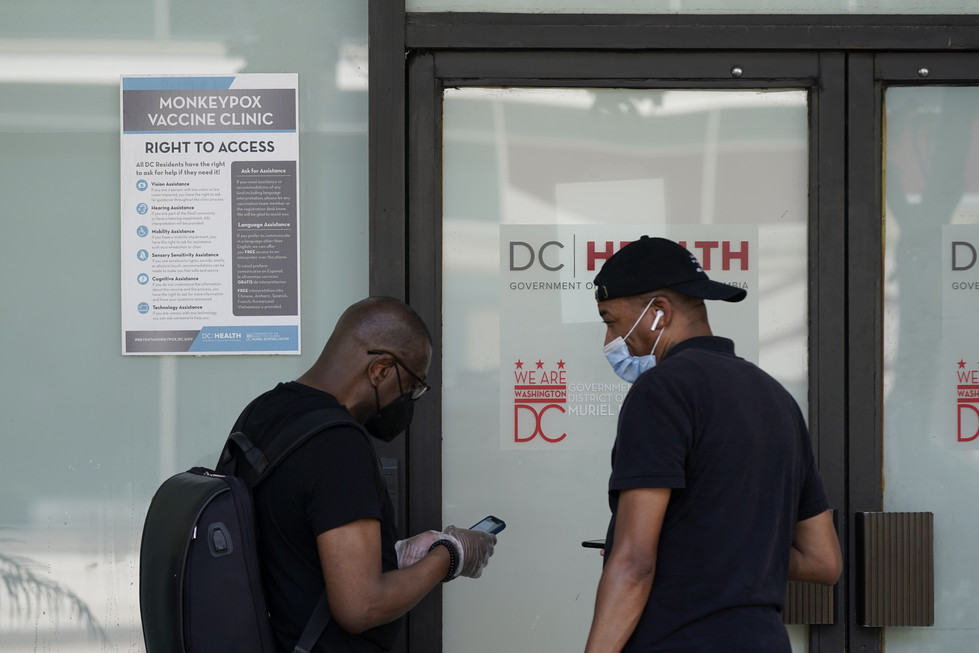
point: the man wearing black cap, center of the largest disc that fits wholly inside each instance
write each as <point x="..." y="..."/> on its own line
<point x="716" y="501"/>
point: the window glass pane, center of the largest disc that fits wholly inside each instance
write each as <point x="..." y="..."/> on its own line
<point x="931" y="356"/>
<point x="699" y="6"/>
<point x="536" y="182"/>
<point x="87" y="435"/>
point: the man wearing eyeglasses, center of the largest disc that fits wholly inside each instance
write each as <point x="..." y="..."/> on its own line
<point x="323" y="516"/>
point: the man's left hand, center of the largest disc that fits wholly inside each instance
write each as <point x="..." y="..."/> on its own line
<point x="415" y="548"/>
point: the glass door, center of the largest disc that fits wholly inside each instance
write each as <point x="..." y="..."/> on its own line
<point x="848" y="183"/>
<point x="931" y="353"/>
<point x="540" y="185"/>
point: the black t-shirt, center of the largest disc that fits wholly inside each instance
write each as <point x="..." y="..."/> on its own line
<point x="733" y="446"/>
<point x="331" y="480"/>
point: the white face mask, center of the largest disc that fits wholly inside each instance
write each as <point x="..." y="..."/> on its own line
<point x="625" y="365"/>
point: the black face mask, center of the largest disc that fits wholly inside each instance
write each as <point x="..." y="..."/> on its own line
<point x="389" y="422"/>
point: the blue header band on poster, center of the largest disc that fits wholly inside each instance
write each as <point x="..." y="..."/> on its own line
<point x="176" y="83"/>
<point x="246" y="338"/>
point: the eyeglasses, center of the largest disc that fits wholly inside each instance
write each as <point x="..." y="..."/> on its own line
<point x="418" y="390"/>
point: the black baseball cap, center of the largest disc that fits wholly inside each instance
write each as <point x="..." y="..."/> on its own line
<point x="651" y="264"/>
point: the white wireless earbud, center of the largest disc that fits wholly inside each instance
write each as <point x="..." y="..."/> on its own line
<point x="659" y="315"/>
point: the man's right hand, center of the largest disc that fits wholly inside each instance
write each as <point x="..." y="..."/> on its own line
<point x="474" y="548"/>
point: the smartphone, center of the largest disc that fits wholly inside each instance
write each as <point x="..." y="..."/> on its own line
<point x="489" y="524"/>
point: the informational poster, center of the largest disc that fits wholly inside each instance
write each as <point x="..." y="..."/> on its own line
<point x="960" y="348"/>
<point x="558" y="390"/>
<point x="210" y="215"/>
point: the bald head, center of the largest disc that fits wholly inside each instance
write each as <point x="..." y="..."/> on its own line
<point x="347" y="371"/>
<point x="381" y="323"/>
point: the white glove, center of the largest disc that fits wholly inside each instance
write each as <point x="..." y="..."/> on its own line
<point x="415" y="548"/>
<point x="474" y="549"/>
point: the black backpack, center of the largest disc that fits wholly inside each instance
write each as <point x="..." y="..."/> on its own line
<point x="200" y="587"/>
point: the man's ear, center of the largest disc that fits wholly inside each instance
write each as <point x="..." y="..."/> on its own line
<point x="378" y="369"/>
<point x="657" y="318"/>
<point x="661" y="311"/>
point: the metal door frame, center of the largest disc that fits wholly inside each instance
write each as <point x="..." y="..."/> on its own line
<point x="414" y="56"/>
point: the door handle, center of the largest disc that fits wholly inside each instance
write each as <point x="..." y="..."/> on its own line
<point x="895" y="568"/>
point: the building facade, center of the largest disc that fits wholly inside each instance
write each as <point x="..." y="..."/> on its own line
<point x="479" y="160"/>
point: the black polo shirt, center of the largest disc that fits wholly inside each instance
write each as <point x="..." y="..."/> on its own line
<point x="733" y="446"/>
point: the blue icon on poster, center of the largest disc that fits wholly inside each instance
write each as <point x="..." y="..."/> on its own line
<point x="142" y="255"/>
<point x="141" y="185"/>
<point x="142" y="279"/>
<point x="142" y="231"/>
<point x="143" y="308"/>
<point x="141" y="208"/>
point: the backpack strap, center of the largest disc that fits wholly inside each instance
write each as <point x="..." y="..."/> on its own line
<point x="314" y="627"/>
<point x="226" y="461"/>
<point x="300" y="430"/>
<point x="258" y="464"/>
<point x="257" y="460"/>
<point x="277" y="451"/>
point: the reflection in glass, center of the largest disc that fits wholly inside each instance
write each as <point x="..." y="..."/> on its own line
<point x="932" y="199"/>
<point x="715" y="158"/>
<point x="87" y="436"/>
